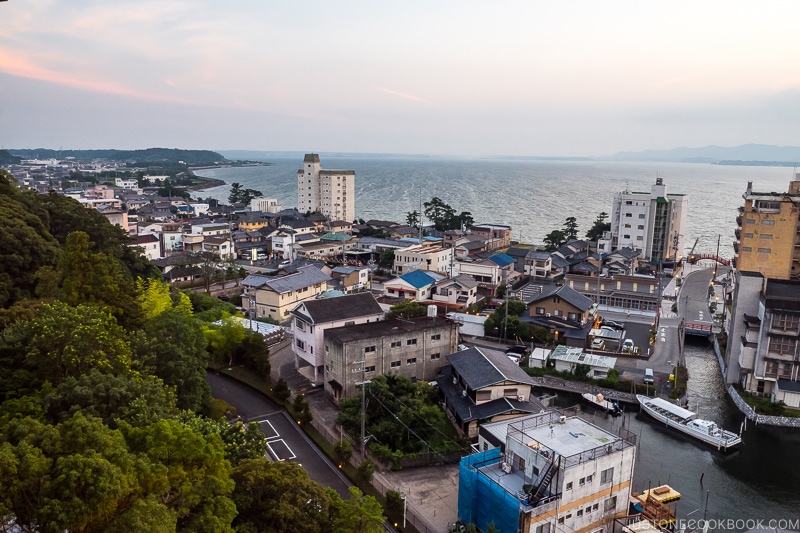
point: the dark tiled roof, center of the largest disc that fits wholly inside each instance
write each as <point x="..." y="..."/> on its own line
<point x="482" y="367"/>
<point x="569" y="295"/>
<point x="343" y="307"/>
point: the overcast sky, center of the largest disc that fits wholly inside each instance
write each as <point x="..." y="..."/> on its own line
<point x="546" y="78"/>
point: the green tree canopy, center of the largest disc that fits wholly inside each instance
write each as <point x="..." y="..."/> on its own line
<point x="599" y="227"/>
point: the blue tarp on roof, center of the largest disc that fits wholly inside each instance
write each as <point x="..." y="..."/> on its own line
<point x="501" y="259"/>
<point x="417" y="278"/>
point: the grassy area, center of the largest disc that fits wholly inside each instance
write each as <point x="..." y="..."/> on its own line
<point x="764" y="406"/>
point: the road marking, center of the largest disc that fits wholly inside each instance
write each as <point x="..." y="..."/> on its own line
<point x="272" y="433"/>
<point x="259" y="418"/>
<point x="287" y="454"/>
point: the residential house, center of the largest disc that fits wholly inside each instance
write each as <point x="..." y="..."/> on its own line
<point x="495" y="235"/>
<point x="622" y="261"/>
<point x="150" y="245"/>
<point x="222" y="247"/>
<point x="482" y="385"/>
<point x="411" y="348"/>
<point x="537" y="264"/>
<point x="547" y="473"/>
<point x="350" y="278"/>
<point x="416" y="285"/>
<point x="456" y="293"/>
<point x="275" y="297"/>
<point x="266" y="205"/>
<point x="311" y="318"/>
<point x="487" y="273"/>
<point x="564" y="312"/>
<point x="519" y="253"/>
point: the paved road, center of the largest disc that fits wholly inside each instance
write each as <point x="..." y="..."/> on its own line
<point x="285" y="440"/>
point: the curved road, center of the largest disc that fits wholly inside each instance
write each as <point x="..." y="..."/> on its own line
<point x="278" y="426"/>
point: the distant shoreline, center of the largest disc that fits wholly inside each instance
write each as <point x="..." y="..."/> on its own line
<point x="760" y="163"/>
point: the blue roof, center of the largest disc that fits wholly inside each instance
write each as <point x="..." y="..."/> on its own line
<point x="501" y="259"/>
<point x="417" y="278"/>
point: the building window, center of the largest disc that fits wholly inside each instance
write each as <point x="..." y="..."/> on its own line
<point x="435" y="356"/>
<point x="436" y="337"/>
<point x="606" y="475"/>
<point x="540" y="310"/>
<point x="411" y="361"/>
<point x="768" y="222"/>
<point x="582" y="481"/>
<point x="411" y="342"/>
<point x="782" y="345"/>
<point x="610" y="504"/>
<point x="748" y="235"/>
<point x="641" y="215"/>
<point x="543" y="528"/>
<point x="766" y="236"/>
<point x="750" y="221"/>
<point x="747" y="248"/>
<point x="595" y="507"/>
<point x="640" y="226"/>
<point x="785" y="321"/>
<point x="639" y="238"/>
<point x="589" y="478"/>
<point x="628" y="215"/>
<point x="395" y="364"/>
<point x="569" y="486"/>
<point x="765" y="250"/>
<point x="369" y="349"/>
<point x="396" y="344"/>
<point x="561" y="520"/>
<point x="301" y="344"/>
<point x="579" y="513"/>
<point x="369" y="369"/>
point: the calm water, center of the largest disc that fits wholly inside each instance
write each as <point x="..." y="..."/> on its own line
<point x="760" y="481"/>
<point x="534" y="197"/>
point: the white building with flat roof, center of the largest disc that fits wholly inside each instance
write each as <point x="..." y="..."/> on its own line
<point x="653" y="222"/>
<point x="329" y="192"/>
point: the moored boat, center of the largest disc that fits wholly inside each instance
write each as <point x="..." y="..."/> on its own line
<point x="686" y="422"/>
<point x="602" y="403"/>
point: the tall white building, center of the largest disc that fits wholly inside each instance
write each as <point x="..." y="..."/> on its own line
<point x="652" y="222"/>
<point x="330" y="192"/>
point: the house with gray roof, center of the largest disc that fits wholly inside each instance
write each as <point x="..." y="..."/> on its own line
<point x="310" y="319"/>
<point x="484" y="385"/>
<point x="275" y="297"/>
<point x="564" y="312"/>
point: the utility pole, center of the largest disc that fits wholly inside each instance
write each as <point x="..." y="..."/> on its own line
<point x="716" y="260"/>
<point x="363" y="383"/>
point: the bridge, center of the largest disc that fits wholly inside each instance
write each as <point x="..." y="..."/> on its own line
<point x="694" y="258"/>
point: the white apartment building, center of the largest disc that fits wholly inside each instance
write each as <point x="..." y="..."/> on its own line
<point x="330" y="192"/>
<point x="423" y="257"/>
<point x="652" y="222"/>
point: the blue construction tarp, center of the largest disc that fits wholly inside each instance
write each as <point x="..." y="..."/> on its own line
<point x="481" y="500"/>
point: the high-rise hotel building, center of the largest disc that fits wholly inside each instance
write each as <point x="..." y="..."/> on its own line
<point x="329" y="192"/>
<point x="653" y="222"/>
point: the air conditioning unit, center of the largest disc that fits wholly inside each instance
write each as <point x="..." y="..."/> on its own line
<point x="547" y="314"/>
<point x="505" y="467"/>
<point x="562" y="419"/>
<point x="521" y="398"/>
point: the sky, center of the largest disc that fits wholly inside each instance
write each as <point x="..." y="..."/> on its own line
<point x="528" y="78"/>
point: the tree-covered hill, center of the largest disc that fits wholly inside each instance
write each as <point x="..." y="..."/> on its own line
<point x="8" y="159"/>
<point x="149" y="155"/>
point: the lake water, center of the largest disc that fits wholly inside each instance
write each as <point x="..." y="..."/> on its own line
<point x="759" y="482"/>
<point x="533" y="197"/>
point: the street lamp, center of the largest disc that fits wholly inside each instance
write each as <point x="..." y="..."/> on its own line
<point x="405" y="503"/>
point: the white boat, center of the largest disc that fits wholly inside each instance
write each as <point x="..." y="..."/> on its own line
<point x="601" y="403"/>
<point x="685" y="421"/>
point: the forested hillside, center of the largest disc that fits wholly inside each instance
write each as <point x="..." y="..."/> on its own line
<point x="104" y="407"/>
<point x="148" y="155"/>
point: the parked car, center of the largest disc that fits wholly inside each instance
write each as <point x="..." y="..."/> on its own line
<point x="648" y="376"/>
<point x="613" y="325"/>
<point x="627" y="346"/>
<point x="598" y="343"/>
<point x="520" y="349"/>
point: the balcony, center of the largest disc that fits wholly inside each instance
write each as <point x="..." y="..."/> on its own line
<point x="738" y="233"/>
<point x="739" y="221"/>
<point x="736" y="246"/>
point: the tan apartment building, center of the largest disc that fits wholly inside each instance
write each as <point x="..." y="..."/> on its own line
<point x="767" y="233"/>
<point x="495" y="235"/>
<point x="329" y="192"/>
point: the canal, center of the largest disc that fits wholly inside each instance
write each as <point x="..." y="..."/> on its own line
<point x="760" y="481"/>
